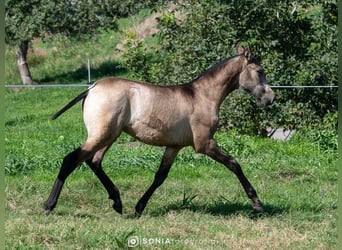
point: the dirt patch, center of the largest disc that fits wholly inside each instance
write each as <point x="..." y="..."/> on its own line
<point x="148" y="27"/>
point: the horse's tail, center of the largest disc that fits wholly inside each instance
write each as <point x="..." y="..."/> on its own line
<point x="71" y="103"/>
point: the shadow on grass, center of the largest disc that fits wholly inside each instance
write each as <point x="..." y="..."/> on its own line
<point x="216" y="209"/>
<point x="222" y="208"/>
<point x="72" y="214"/>
<point x="108" y="68"/>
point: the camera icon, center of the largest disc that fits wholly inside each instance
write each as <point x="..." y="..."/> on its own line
<point x="133" y="241"/>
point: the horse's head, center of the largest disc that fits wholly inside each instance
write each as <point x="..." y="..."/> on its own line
<point x="253" y="79"/>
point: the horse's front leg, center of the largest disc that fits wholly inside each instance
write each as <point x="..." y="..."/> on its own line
<point x="164" y="168"/>
<point x="211" y="149"/>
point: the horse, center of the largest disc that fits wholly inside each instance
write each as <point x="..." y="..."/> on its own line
<point x="173" y="117"/>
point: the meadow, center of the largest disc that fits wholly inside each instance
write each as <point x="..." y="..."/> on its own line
<point x="200" y="206"/>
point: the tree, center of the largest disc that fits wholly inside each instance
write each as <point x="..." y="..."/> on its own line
<point x="296" y="41"/>
<point x="26" y="20"/>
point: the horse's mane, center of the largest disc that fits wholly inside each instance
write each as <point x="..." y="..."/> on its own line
<point x="213" y="68"/>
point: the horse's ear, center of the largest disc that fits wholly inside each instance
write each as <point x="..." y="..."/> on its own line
<point x="239" y="49"/>
<point x="248" y="52"/>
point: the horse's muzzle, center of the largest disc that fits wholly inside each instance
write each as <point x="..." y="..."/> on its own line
<point x="267" y="98"/>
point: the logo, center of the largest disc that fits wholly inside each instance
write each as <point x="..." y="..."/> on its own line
<point x="133" y="241"/>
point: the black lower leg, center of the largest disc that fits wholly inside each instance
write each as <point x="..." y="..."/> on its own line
<point x="70" y="162"/>
<point x="51" y="202"/>
<point x="158" y="180"/>
<point x="251" y="193"/>
<point x="112" y="190"/>
<point x="222" y="157"/>
<point x="164" y="168"/>
<point x="247" y="186"/>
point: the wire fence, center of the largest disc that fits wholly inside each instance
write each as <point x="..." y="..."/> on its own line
<point x="87" y="85"/>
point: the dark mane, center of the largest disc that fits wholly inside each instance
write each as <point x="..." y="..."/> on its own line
<point x="213" y="68"/>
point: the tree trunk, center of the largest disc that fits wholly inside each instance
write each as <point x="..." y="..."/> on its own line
<point x="22" y="63"/>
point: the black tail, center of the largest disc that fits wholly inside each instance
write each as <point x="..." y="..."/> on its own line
<point x="70" y="104"/>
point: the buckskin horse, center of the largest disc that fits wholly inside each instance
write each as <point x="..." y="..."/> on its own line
<point x="170" y="116"/>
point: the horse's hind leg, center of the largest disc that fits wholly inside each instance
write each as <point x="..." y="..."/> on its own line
<point x="96" y="165"/>
<point x="164" y="168"/>
<point x="70" y="162"/>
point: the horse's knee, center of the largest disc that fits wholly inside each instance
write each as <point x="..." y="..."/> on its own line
<point x="94" y="163"/>
<point x="69" y="163"/>
<point x="208" y="147"/>
<point x="211" y="149"/>
<point x="233" y="165"/>
<point x="73" y="160"/>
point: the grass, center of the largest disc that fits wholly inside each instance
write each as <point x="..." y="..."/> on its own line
<point x="200" y="206"/>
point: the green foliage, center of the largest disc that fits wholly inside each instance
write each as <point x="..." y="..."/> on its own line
<point x="326" y="139"/>
<point x="136" y="58"/>
<point x="124" y="8"/>
<point x="27" y="20"/>
<point x="324" y="135"/>
<point x="297" y="43"/>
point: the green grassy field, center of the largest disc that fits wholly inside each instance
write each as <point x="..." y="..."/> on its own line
<point x="200" y="206"/>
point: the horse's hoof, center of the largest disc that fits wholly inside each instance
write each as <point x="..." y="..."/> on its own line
<point x="139" y="208"/>
<point x="258" y="208"/>
<point x="137" y="215"/>
<point x="47" y="212"/>
<point x="118" y="207"/>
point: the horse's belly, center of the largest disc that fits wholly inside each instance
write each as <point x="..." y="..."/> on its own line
<point x="158" y="133"/>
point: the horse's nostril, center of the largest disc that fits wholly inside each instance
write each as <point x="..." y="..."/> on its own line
<point x="267" y="100"/>
<point x="270" y="98"/>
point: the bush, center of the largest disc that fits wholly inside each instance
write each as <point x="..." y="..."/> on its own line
<point x="137" y="58"/>
<point x="297" y="43"/>
<point x="324" y="134"/>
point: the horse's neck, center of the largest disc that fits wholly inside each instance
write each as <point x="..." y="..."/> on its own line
<point x="220" y="81"/>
